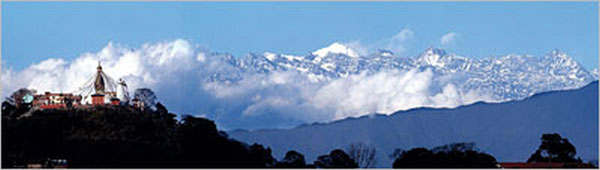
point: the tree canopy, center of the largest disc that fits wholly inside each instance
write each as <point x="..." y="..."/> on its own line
<point x="554" y="148"/>
<point x="122" y="137"/>
<point x="457" y="155"/>
<point x="336" y="159"/>
<point x="146" y="96"/>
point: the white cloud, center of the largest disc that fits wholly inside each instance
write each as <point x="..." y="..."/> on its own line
<point x="403" y="35"/>
<point x="176" y="71"/>
<point x="448" y="38"/>
<point x="358" y="47"/>
<point x="146" y="66"/>
<point x="398" y="42"/>
<point x="356" y="95"/>
<point x="386" y="92"/>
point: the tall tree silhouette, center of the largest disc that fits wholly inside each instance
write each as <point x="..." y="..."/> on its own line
<point x="554" y="148"/>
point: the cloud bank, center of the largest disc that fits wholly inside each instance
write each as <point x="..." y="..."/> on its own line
<point x="178" y="72"/>
<point x="448" y="38"/>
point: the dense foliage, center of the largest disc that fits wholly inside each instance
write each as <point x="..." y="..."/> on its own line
<point x="123" y="137"/>
<point x="146" y="96"/>
<point x="292" y="159"/>
<point x="336" y="159"/>
<point x="554" y="149"/>
<point x="459" y="155"/>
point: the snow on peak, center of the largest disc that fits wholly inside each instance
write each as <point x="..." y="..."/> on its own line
<point x="558" y="54"/>
<point x="560" y="59"/>
<point x="595" y="73"/>
<point x="335" y="48"/>
<point x="432" y="56"/>
<point x="504" y="78"/>
<point x="435" y="51"/>
<point x="386" y="53"/>
<point x="270" y="56"/>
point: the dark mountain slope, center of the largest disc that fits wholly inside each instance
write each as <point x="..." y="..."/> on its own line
<point x="509" y="131"/>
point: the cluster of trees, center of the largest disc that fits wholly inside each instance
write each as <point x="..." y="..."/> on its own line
<point x="457" y="155"/>
<point x="336" y="159"/>
<point x="124" y="137"/>
<point x="359" y="155"/>
<point x="121" y="137"/>
<point x="554" y="148"/>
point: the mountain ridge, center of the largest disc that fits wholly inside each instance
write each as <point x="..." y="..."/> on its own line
<point x="401" y="111"/>
<point x="509" y="130"/>
<point x="508" y="77"/>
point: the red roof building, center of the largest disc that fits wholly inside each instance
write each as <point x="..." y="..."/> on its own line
<point x="544" y="165"/>
<point x="56" y="100"/>
<point x="97" y="99"/>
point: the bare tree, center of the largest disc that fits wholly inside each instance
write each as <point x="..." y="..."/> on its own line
<point x="396" y="153"/>
<point x="363" y="154"/>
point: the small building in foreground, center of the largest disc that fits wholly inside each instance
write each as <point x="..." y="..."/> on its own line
<point x="538" y="165"/>
<point x="50" y="100"/>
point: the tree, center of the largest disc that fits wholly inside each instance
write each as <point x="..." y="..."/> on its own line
<point x="18" y="103"/>
<point x="161" y="109"/>
<point x="457" y="155"/>
<point x="336" y="159"/>
<point x="17" y="97"/>
<point x="146" y="96"/>
<point x="122" y="137"/>
<point x="462" y="147"/>
<point x="363" y="154"/>
<point x="261" y="156"/>
<point x="292" y="159"/>
<point x="414" y="158"/>
<point x="554" y="148"/>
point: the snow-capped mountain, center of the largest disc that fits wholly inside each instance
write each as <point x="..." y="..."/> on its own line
<point x="335" y="48"/>
<point x="507" y="77"/>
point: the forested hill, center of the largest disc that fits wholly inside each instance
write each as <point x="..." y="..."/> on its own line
<point x="121" y="137"/>
<point x="509" y="131"/>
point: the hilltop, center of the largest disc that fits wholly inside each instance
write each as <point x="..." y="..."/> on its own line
<point x="121" y="137"/>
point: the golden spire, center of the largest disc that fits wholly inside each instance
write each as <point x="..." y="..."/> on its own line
<point x="99" y="83"/>
<point x="99" y="68"/>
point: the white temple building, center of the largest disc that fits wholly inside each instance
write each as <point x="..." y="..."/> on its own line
<point x="101" y="88"/>
<point x="123" y="92"/>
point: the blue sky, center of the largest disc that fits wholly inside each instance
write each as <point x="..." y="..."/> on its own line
<point x="32" y="32"/>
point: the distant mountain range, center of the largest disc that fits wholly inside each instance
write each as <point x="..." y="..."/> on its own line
<point x="509" y="131"/>
<point x="509" y="77"/>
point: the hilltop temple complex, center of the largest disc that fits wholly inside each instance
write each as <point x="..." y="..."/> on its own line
<point x="100" y="89"/>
